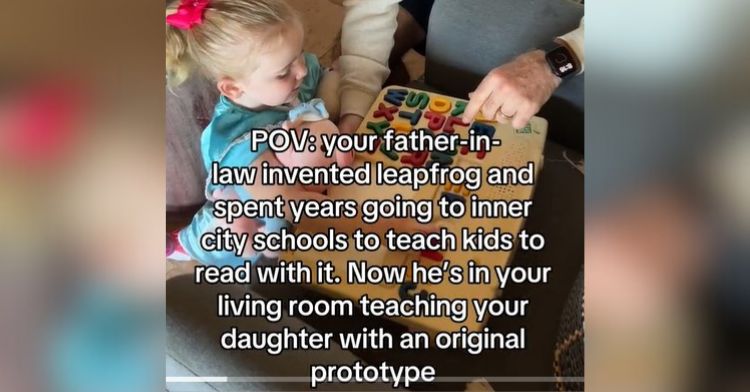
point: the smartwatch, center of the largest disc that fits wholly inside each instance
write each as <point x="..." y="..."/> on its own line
<point x="561" y="60"/>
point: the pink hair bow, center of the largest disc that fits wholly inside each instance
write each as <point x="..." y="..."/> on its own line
<point x="189" y="14"/>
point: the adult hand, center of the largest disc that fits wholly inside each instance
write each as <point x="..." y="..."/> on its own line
<point x="349" y="123"/>
<point x="514" y="92"/>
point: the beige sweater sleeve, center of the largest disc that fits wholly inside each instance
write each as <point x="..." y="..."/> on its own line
<point x="366" y="43"/>
<point x="574" y="40"/>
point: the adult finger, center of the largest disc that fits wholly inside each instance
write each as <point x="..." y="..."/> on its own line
<point x="492" y="104"/>
<point x="523" y="116"/>
<point x="520" y="121"/>
<point x="508" y="111"/>
<point x="477" y="98"/>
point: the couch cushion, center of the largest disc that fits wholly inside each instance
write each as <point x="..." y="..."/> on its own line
<point x="188" y="109"/>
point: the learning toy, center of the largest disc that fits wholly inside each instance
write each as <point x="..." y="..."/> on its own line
<point x="416" y="159"/>
<point x="405" y="291"/>
<point x="457" y="188"/>
<point x="459" y="108"/>
<point x="385" y="111"/>
<point x="436" y="120"/>
<point x="483" y="129"/>
<point x="526" y="129"/>
<point x="395" y="96"/>
<point x="481" y="118"/>
<point x="452" y="197"/>
<point x="376" y="146"/>
<point x="480" y="154"/>
<point x="413" y="117"/>
<point x="402" y="127"/>
<point x="389" y="153"/>
<point x="451" y="121"/>
<point x="440" y="105"/>
<point x="440" y="158"/>
<point x="379" y="128"/>
<point x="417" y="99"/>
<point x="395" y="108"/>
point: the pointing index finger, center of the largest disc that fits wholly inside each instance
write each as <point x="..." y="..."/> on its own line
<point x="476" y="100"/>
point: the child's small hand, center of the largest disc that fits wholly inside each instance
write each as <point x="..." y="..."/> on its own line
<point x="289" y="124"/>
<point x="344" y="159"/>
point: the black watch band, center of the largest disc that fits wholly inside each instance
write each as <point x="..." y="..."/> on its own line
<point x="561" y="60"/>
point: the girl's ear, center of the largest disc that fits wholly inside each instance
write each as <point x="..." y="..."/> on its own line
<point x="229" y="88"/>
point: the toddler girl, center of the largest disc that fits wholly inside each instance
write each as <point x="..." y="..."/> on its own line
<point x="252" y="49"/>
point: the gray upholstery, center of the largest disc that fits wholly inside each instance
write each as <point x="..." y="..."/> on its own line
<point x="188" y="110"/>
<point x="467" y="39"/>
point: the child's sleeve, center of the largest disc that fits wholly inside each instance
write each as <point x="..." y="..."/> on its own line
<point x="228" y="138"/>
<point x="314" y="75"/>
<point x="239" y="153"/>
<point x="574" y="39"/>
<point x="228" y="141"/>
<point x="366" y="43"/>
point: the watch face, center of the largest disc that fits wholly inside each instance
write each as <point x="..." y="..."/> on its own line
<point x="561" y="62"/>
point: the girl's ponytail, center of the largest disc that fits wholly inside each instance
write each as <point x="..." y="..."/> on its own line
<point x="178" y="62"/>
<point x="199" y="32"/>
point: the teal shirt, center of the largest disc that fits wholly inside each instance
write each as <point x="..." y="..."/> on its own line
<point x="226" y="140"/>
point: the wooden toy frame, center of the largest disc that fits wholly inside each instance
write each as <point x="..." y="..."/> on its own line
<point x="404" y="109"/>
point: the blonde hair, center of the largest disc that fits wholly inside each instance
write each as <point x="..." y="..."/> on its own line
<point x="205" y="45"/>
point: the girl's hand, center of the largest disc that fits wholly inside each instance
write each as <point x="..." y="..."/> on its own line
<point x="289" y="124"/>
<point x="344" y="159"/>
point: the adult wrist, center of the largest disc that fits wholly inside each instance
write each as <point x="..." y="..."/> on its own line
<point x="349" y="123"/>
<point x="355" y="101"/>
<point x="561" y="59"/>
<point x="540" y="58"/>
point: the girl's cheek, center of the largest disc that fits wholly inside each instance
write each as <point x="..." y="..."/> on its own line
<point x="289" y="85"/>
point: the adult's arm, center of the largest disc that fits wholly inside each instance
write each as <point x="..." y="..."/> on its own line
<point x="366" y="43"/>
<point x="514" y="92"/>
<point x="574" y="41"/>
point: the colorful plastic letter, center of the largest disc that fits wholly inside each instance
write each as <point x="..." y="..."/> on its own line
<point x="436" y="120"/>
<point x="459" y="108"/>
<point x="413" y="117"/>
<point x="440" y="105"/>
<point x="416" y="159"/>
<point x="385" y="111"/>
<point x="402" y="127"/>
<point x="395" y="96"/>
<point x="378" y="128"/>
<point x="414" y="100"/>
